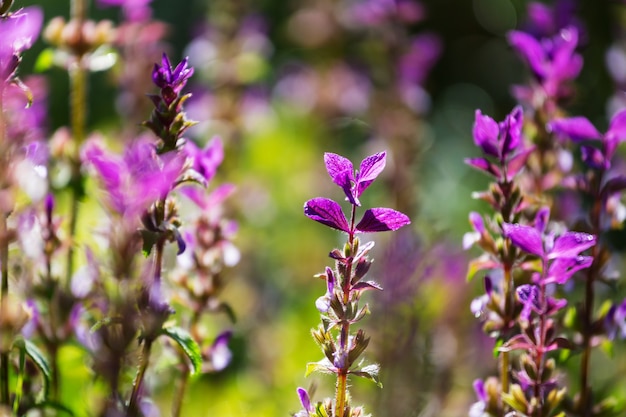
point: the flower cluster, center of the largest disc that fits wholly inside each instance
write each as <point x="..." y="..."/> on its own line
<point x="339" y="306"/>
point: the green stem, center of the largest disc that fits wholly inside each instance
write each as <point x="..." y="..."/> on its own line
<point x="78" y="105"/>
<point x="180" y="390"/>
<point x="141" y="372"/>
<point x="508" y="303"/>
<point x="342" y="375"/>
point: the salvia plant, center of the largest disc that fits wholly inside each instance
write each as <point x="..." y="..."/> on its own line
<point x="544" y="300"/>
<point x="339" y="306"/>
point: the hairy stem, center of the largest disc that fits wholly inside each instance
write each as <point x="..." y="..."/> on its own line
<point x="342" y="375"/>
<point x="133" y="405"/>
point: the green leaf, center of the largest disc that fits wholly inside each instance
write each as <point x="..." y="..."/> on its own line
<point x="149" y="240"/>
<point x="54" y="406"/>
<point x="323" y="366"/>
<point x="369" y="372"/>
<point x="607" y="347"/>
<point x="187" y="344"/>
<point x="33" y="352"/>
<point x="45" y="60"/>
<point x="496" y="348"/>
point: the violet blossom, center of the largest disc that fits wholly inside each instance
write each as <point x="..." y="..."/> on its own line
<point x="580" y="129"/>
<point x="134" y="10"/>
<point x="18" y="32"/>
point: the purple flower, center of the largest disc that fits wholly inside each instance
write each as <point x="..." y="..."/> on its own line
<point x="18" y="32"/>
<point x="553" y="61"/>
<point x="219" y="353"/>
<point x="502" y="141"/>
<point x="167" y="77"/>
<point x="136" y="179"/>
<point x="305" y="400"/>
<point x="615" y="321"/>
<point x="544" y="21"/>
<point x="134" y="10"/>
<point x="206" y="161"/>
<point x="580" y="129"/>
<point x="561" y="254"/>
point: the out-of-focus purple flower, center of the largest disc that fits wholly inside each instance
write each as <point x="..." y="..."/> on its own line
<point x="580" y="129"/>
<point x="478" y="408"/>
<point x="206" y="161"/>
<point x="414" y="66"/>
<point x="500" y="140"/>
<point x="165" y="76"/>
<point x="136" y="179"/>
<point x="18" y="32"/>
<point x="219" y="353"/>
<point x="134" y="10"/>
<point x="26" y="123"/>
<point x="544" y="21"/>
<point x="560" y="254"/>
<point x="615" y="321"/>
<point x="377" y="12"/>
<point x="553" y="61"/>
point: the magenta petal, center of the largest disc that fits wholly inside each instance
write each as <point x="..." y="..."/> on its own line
<point x="304" y="399"/>
<point x="541" y="219"/>
<point x="617" y="128"/>
<point x="526" y="238"/>
<point x="370" y="168"/>
<point x="327" y="212"/>
<point x="511" y="129"/>
<point x="477" y="222"/>
<point x="486" y="132"/>
<point x="562" y="269"/>
<point x="576" y="128"/>
<point x="571" y="244"/>
<point x="381" y="219"/>
<point x="530" y="49"/>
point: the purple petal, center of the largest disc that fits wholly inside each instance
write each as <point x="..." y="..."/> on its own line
<point x="304" y="399"/>
<point x="486" y="132"/>
<point x="562" y="269"/>
<point x="526" y="238"/>
<point x="370" y="168"/>
<point x="327" y="212"/>
<point x="542" y="218"/>
<point x="594" y="158"/>
<point x="220" y="353"/>
<point x="571" y="244"/>
<point x="617" y="128"/>
<point x="381" y="219"/>
<point x="530" y="49"/>
<point x="330" y="280"/>
<point x="576" y="128"/>
<point x="614" y="185"/>
<point x="479" y="388"/>
<point x="477" y="222"/>
<point x="511" y="128"/>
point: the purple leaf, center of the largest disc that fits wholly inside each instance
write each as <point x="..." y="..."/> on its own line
<point x="571" y="244"/>
<point x="576" y="128"/>
<point x="526" y="238"/>
<point x="367" y="285"/>
<point x="484" y="165"/>
<point x="327" y="212"/>
<point x="381" y="219"/>
<point x="341" y="172"/>
<point x="370" y="168"/>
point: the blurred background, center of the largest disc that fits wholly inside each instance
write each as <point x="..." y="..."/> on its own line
<point x="282" y="82"/>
